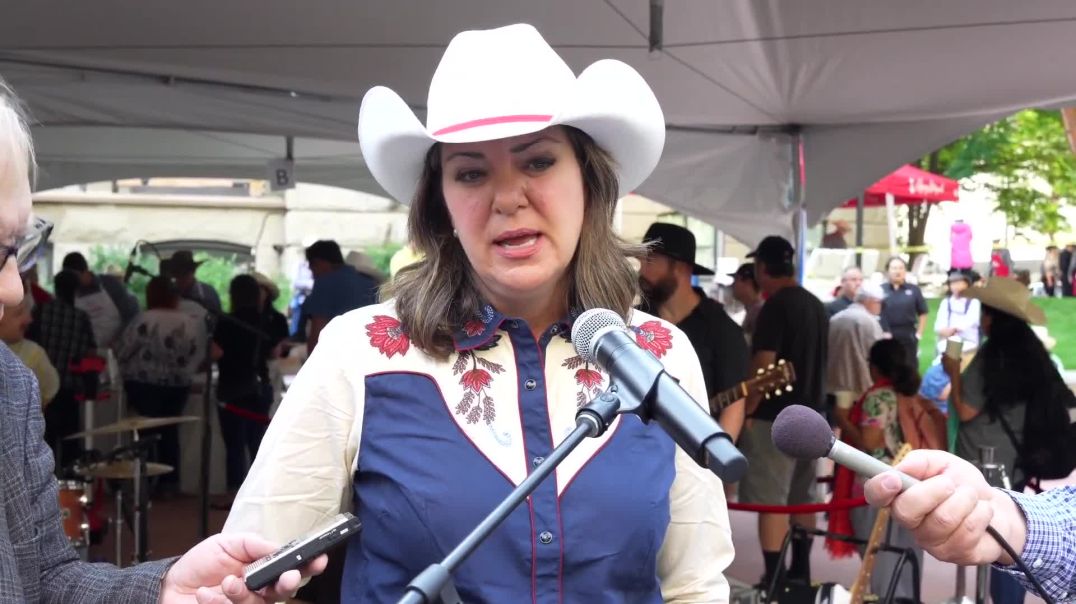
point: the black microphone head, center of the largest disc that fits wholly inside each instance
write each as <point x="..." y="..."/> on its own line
<point x="589" y="325"/>
<point x="802" y="433"/>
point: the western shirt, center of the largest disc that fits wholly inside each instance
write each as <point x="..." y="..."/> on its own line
<point x="422" y="449"/>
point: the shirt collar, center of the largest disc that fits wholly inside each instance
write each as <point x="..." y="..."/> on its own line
<point x="478" y="331"/>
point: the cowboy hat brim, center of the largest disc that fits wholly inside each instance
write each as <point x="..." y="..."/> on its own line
<point x="610" y="101"/>
<point x="1008" y="299"/>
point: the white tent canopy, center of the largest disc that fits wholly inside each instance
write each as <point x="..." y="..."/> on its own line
<point x="179" y="88"/>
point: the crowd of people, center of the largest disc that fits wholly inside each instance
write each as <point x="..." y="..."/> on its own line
<point x="420" y="413"/>
<point x="165" y="347"/>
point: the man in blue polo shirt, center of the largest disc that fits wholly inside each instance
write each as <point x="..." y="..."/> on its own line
<point x="338" y="288"/>
<point x="904" y="310"/>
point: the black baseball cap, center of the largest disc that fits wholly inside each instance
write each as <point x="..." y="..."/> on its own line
<point x="774" y="250"/>
<point x="746" y="272"/>
<point x="676" y="242"/>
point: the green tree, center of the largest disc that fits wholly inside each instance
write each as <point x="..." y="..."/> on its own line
<point x="381" y="255"/>
<point x="1034" y="168"/>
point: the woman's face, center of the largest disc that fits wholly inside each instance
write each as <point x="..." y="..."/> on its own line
<point x="957" y="287"/>
<point x="517" y="207"/>
<point x="897" y="271"/>
<point x="14" y="219"/>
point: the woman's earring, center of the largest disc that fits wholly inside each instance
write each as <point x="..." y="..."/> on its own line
<point x="455" y="233"/>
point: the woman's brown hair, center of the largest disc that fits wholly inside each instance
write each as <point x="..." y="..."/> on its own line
<point x="160" y="293"/>
<point x="436" y="296"/>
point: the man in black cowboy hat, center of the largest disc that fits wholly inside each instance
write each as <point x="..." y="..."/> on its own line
<point x="665" y="278"/>
<point x="182" y="267"/>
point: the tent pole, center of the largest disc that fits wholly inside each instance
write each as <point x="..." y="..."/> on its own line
<point x="860" y="201"/>
<point x="797" y="201"/>
<point x="891" y="219"/>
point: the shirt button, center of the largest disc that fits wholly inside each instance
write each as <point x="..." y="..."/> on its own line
<point x="1037" y="563"/>
<point x="537" y="461"/>
<point x="513" y="324"/>
<point x="554" y="330"/>
<point x="530" y="384"/>
<point x="546" y="537"/>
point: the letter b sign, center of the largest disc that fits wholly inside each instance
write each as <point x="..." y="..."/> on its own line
<point x="281" y="175"/>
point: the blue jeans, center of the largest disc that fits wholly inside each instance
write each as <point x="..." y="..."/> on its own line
<point x="1005" y="589"/>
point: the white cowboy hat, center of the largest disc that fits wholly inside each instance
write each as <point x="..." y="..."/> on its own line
<point x="1009" y="296"/>
<point x="504" y="82"/>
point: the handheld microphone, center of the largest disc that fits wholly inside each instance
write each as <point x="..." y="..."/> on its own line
<point x="802" y="433"/>
<point x="600" y="337"/>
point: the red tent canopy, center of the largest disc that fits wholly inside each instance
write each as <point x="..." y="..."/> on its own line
<point x="910" y="185"/>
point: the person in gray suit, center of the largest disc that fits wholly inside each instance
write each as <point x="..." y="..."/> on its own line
<point x="37" y="564"/>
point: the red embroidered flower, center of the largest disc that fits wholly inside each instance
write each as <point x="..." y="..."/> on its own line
<point x="654" y="337"/>
<point x="588" y="378"/>
<point x="476" y="379"/>
<point x="388" y="336"/>
<point x="473" y="327"/>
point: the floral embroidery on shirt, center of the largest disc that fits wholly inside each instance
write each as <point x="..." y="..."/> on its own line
<point x="589" y="380"/>
<point x="388" y="336"/>
<point x="653" y="336"/>
<point x="476" y="403"/>
<point x="473" y="327"/>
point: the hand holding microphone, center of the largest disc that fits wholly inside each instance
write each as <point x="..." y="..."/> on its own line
<point x="942" y="499"/>
<point x="950" y="510"/>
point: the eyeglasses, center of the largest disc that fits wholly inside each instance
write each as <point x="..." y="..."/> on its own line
<point x="27" y="249"/>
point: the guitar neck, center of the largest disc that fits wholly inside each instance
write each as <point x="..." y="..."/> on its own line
<point x="727" y="397"/>
<point x="862" y="584"/>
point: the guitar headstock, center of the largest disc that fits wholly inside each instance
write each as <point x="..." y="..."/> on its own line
<point x="773" y="380"/>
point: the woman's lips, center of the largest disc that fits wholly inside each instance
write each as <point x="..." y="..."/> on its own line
<point x="520" y="243"/>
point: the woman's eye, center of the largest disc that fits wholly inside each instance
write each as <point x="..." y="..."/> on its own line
<point x="540" y="163"/>
<point x="469" y="175"/>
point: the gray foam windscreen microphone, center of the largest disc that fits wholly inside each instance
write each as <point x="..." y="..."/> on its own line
<point x="802" y="433"/>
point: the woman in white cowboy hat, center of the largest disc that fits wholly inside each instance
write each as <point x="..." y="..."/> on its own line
<point x="423" y="412"/>
<point x="1011" y="373"/>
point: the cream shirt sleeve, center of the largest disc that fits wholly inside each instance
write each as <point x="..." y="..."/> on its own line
<point x="48" y="378"/>
<point x="698" y="543"/>
<point x="303" y="471"/>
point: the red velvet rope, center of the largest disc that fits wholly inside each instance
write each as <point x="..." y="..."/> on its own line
<point x="810" y="508"/>
<point x="247" y="414"/>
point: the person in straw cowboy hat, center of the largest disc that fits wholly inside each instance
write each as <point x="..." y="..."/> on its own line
<point x="423" y="412"/>
<point x="1011" y="373"/>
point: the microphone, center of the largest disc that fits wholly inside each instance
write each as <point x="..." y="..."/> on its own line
<point x="600" y="337"/>
<point x="802" y="433"/>
<point x="130" y="264"/>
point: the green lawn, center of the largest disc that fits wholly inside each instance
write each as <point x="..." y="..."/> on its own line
<point x="1060" y="319"/>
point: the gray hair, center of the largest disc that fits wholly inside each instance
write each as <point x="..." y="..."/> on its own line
<point x="16" y="148"/>
<point x="869" y="291"/>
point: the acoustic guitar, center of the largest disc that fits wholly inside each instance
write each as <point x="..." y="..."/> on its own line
<point x="769" y="382"/>
<point x="863" y="580"/>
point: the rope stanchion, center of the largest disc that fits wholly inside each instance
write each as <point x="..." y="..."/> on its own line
<point x="247" y="414"/>
<point x="811" y="508"/>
